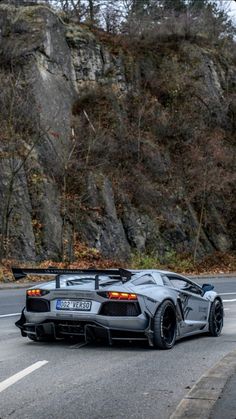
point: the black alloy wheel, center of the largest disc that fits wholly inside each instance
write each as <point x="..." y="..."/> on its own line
<point x="165" y="326"/>
<point x="216" y="318"/>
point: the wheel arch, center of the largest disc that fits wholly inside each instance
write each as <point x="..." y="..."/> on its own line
<point x="172" y="300"/>
<point x="217" y="298"/>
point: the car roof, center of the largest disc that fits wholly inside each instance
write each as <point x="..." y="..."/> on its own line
<point x="159" y="271"/>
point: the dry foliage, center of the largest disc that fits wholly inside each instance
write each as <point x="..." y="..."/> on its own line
<point x="216" y="264"/>
<point x="85" y="258"/>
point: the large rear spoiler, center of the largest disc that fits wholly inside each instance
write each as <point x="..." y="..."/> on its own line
<point x="121" y="273"/>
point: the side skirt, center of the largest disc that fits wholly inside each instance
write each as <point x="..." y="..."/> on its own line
<point x="195" y="332"/>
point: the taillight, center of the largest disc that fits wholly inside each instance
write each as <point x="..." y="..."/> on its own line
<point x="114" y="295"/>
<point x="36" y="292"/>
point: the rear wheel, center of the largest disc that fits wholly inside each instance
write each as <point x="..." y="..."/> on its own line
<point x="165" y="326"/>
<point x="216" y="318"/>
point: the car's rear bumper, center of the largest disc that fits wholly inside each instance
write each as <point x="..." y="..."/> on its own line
<point x="87" y="327"/>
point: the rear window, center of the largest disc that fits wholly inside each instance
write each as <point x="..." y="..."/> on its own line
<point x="144" y="280"/>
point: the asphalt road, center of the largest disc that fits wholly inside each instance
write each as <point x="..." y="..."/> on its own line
<point x="98" y="381"/>
<point x="11" y="301"/>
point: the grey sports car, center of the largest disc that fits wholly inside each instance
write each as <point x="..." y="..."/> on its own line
<point x="118" y="304"/>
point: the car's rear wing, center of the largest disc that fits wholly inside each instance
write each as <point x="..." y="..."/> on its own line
<point x="123" y="274"/>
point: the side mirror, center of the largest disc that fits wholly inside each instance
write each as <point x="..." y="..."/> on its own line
<point x="207" y="287"/>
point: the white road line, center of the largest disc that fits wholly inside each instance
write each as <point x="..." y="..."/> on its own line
<point x="225" y="309"/>
<point x="229" y="301"/>
<point x="10" y="315"/>
<point x="16" y="377"/>
<point x="227" y="293"/>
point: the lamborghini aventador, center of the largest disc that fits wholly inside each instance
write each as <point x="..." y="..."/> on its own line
<point x="118" y="304"/>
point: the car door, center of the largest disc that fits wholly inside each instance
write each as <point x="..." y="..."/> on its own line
<point x="194" y="306"/>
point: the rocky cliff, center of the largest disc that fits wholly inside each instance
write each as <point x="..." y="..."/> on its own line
<point x="126" y="148"/>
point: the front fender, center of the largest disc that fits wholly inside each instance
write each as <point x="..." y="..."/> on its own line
<point x="211" y="296"/>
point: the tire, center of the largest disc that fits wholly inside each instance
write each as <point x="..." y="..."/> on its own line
<point x="216" y="317"/>
<point x="165" y="326"/>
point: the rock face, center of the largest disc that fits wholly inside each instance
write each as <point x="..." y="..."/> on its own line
<point x="92" y="151"/>
<point x="101" y="226"/>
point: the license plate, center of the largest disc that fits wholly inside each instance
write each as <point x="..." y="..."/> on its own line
<point x="80" y="305"/>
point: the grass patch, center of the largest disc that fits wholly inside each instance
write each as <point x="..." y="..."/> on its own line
<point x="171" y="261"/>
<point x="216" y="263"/>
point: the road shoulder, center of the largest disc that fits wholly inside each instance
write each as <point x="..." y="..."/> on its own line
<point x="14" y="286"/>
<point x="200" y="400"/>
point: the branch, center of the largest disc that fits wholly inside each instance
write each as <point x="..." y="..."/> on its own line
<point x="90" y="123"/>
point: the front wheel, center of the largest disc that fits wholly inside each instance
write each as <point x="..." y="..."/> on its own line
<point x="165" y="326"/>
<point x="216" y="318"/>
